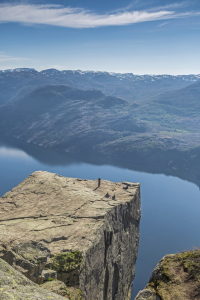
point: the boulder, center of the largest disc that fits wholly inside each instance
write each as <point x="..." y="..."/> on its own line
<point x="14" y="285"/>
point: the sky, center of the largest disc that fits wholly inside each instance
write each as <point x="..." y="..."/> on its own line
<point x="139" y="37"/>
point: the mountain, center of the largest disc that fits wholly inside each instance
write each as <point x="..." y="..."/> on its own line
<point x="186" y="99"/>
<point x="176" y="111"/>
<point x="16" y="83"/>
<point x="67" y="118"/>
<point x="164" y="130"/>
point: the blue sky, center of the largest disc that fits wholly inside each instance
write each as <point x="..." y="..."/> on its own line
<point x="140" y="37"/>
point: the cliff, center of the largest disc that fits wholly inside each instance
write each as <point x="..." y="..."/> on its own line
<point x="73" y="231"/>
<point x="176" y="276"/>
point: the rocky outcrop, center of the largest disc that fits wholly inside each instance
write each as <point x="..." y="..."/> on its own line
<point x="60" y="288"/>
<point x="176" y="276"/>
<point x="68" y="229"/>
<point x="14" y="285"/>
<point x="30" y="258"/>
<point x="147" y="294"/>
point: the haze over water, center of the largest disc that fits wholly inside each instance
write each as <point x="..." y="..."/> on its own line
<point x="170" y="206"/>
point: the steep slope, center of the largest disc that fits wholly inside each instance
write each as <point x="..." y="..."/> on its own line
<point x="175" y="277"/>
<point x="176" y="110"/>
<point x="188" y="97"/>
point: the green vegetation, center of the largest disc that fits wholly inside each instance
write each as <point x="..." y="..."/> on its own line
<point x="74" y="294"/>
<point x="178" y="277"/>
<point x="190" y="261"/>
<point x="67" y="262"/>
<point x="50" y="279"/>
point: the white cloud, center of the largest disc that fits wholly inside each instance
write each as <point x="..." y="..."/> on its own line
<point x="163" y="24"/>
<point x="58" y="15"/>
<point x="6" y="58"/>
<point x="175" y="5"/>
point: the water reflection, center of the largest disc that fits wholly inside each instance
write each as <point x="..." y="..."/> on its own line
<point x="170" y="206"/>
<point x="51" y="157"/>
<point x="9" y="152"/>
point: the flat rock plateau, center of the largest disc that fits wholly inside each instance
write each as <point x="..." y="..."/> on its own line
<point x="71" y="236"/>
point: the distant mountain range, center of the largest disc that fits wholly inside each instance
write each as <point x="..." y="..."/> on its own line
<point x="67" y="118"/>
<point x="164" y="128"/>
<point x="16" y="83"/>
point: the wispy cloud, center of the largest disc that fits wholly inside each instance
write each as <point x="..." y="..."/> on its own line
<point x="149" y="5"/>
<point x="58" y="15"/>
<point x="163" y="24"/>
<point x="173" y="6"/>
<point x="6" y="58"/>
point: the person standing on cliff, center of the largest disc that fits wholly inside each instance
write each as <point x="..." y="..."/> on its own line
<point x="99" y="182"/>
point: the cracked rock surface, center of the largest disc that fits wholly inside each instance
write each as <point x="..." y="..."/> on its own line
<point x="62" y="215"/>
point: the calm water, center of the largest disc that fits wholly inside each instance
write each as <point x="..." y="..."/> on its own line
<point x="170" y="206"/>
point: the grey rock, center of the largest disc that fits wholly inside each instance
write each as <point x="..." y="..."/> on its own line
<point x="49" y="274"/>
<point x="14" y="285"/>
<point x="55" y="286"/>
<point x="157" y="274"/>
<point x="29" y="258"/>
<point x="146" y="294"/>
<point x="48" y="214"/>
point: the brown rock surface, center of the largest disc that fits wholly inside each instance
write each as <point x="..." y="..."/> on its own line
<point x="176" y="276"/>
<point x="66" y="214"/>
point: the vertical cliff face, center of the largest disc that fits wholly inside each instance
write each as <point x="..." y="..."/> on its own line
<point x="74" y="231"/>
<point x="108" y="268"/>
